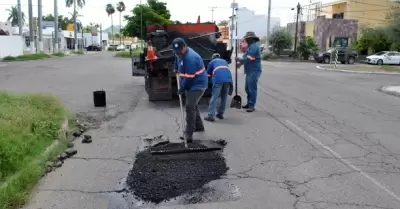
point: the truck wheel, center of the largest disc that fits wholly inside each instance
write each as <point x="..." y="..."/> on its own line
<point x="343" y="62"/>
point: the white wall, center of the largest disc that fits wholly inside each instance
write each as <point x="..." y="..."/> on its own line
<point x="249" y="21"/>
<point x="11" y="46"/>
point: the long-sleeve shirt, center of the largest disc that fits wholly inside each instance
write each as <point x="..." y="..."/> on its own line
<point x="191" y="70"/>
<point x="218" y="70"/>
<point x="251" y="59"/>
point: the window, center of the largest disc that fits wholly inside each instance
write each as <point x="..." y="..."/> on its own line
<point x="341" y="42"/>
<point x="338" y="15"/>
<point x="390" y="54"/>
<point x="380" y="53"/>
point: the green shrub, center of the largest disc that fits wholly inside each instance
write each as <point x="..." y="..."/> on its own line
<point x="124" y="54"/>
<point x="78" y="52"/>
<point x="267" y="55"/>
<point x="9" y="58"/>
<point x="112" y="48"/>
<point x="58" y="54"/>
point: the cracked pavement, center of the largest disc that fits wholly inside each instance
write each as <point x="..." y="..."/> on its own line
<point x="318" y="140"/>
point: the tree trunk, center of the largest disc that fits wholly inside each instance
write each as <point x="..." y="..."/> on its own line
<point x="112" y="30"/>
<point x="120" y="36"/>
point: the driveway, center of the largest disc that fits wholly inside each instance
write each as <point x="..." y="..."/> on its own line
<point x="317" y="140"/>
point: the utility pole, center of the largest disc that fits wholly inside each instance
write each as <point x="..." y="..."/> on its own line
<point x="57" y="45"/>
<point x="298" y="10"/>
<point x="75" y="29"/>
<point x="31" y="44"/>
<point x="40" y="20"/>
<point x="19" y="17"/>
<point x="234" y="6"/>
<point x="141" y="23"/>
<point x="101" y="36"/>
<point x="212" y="13"/>
<point x="268" y="24"/>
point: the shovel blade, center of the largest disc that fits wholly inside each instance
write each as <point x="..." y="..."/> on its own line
<point x="236" y="102"/>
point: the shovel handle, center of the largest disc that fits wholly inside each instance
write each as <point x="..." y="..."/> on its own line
<point x="181" y="106"/>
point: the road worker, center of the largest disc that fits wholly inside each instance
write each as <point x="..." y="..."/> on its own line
<point x="251" y="61"/>
<point x="193" y="84"/>
<point x="218" y="70"/>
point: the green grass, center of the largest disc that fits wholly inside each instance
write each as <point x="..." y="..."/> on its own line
<point x="58" y="54"/>
<point x="78" y="52"/>
<point x="26" y="57"/>
<point x="126" y="54"/>
<point x="112" y="48"/>
<point x="29" y="123"/>
<point x="370" y="68"/>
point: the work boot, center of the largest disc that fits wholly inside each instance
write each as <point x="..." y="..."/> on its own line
<point x="220" y="116"/>
<point x="209" y="118"/>
<point x="245" y="106"/>
<point x="188" y="138"/>
<point x="251" y="109"/>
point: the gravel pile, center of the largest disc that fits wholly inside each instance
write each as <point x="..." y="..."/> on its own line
<point x="159" y="178"/>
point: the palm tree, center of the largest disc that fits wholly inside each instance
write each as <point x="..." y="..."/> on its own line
<point x="120" y="7"/>
<point x="13" y="16"/>
<point x="110" y="11"/>
<point x="80" y="3"/>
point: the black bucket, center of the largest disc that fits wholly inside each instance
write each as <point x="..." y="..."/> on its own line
<point x="99" y="98"/>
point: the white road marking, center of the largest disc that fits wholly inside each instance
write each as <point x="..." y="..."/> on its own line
<point x="374" y="181"/>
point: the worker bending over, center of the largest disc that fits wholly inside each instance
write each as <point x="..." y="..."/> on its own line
<point x="193" y="83"/>
<point x="252" y="68"/>
<point x="221" y="75"/>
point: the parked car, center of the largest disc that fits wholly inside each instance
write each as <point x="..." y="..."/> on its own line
<point x="121" y="47"/>
<point x="325" y="57"/>
<point x="94" y="48"/>
<point x="384" y="58"/>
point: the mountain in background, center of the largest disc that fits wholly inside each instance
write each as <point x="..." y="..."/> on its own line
<point x="116" y="29"/>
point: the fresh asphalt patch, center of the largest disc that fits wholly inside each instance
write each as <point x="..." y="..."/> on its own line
<point x="178" y="179"/>
<point x="159" y="178"/>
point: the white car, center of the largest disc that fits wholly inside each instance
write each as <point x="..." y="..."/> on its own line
<point x="121" y="47"/>
<point x="384" y="58"/>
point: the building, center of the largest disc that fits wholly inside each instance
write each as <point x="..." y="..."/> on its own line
<point x="327" y="32"/>
<point x="369" y="13"/>
<point x="247" y="20"/>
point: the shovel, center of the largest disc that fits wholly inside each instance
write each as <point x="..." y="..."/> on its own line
<point x="236" y="100"/>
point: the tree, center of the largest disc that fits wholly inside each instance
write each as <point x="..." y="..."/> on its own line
<point x="110" y="11"/>
<point x="120" y="7"/>
<point x="223" y="23"/>
<point x="13" y="16"/>
<point x="373" y="40"/>
<point x="279" y="40"/>
<point x="307" y="47"/>
<point x="154" y="12"/>
<point x="80" y="3"/>
<point x="62" y="21"/>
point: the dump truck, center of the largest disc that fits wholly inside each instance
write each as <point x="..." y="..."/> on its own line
<point x="159" y="73"/>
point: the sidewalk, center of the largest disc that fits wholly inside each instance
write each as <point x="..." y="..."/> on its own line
<point x="392" y="90"/>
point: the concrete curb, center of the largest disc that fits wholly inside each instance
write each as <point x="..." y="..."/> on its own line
<point x="357" y="72"/>
<point x="41" y="159"/>
<point x="384" y="89"/>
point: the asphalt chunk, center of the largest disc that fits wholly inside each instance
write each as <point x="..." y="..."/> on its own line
<point x="160" y="178"/>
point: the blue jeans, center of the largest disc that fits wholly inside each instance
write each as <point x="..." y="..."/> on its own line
<point x="219" y="90"/>
<point x="251" y="87"/>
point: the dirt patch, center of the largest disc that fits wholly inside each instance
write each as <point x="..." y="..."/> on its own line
<point x="160" y="178"/>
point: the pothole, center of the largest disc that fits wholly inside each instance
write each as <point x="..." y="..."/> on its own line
<point x="176" y="179"/>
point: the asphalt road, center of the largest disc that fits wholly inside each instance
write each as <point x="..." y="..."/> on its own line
<point x="319" y="139"/>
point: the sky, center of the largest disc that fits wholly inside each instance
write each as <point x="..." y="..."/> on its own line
<point x="182" y="10"/>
